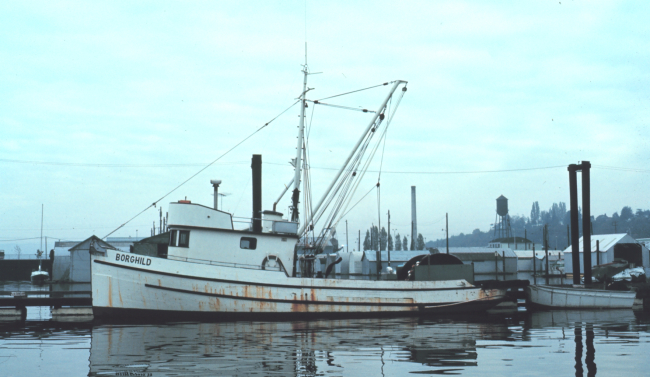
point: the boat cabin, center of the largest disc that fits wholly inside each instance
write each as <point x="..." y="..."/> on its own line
<point x="206" y="235"/>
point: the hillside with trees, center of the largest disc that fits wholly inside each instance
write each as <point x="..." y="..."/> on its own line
<point x="558" y="218"/>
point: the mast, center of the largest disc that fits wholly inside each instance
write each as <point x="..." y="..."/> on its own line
<point x="301" y="133"/>
<point x="378" y="113"/>
<point x="42" y="208"/>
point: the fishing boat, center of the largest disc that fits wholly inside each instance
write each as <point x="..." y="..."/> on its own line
<point x="214" y="271"/>
<point x="39" y="276"/>
<point x="546" y="296"/>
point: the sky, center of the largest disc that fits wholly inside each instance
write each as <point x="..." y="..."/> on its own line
<point x="105" y="107"/>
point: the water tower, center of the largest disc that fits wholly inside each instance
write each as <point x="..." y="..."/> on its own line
<point x="502" y="221"/>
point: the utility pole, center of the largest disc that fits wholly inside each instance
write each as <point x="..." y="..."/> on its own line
<point x="388" y="248"/>
<point x="526" y="238"/>
<point x="546" y="249"/>
<point x="359" y="239"/>
<point x="534" y="266"/>
<point x="614" y="223"/>
<point x="447" y="230"/>
<point x="347" y="244"/>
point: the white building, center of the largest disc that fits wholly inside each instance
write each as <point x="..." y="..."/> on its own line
<point x="526" y="264"/>
<point x="610" y="246"/>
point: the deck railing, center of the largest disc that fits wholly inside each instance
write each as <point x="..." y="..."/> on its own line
<point x="215" y="263"/>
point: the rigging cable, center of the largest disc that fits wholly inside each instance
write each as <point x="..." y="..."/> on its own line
<point x="345" y="196"/>
<point x="358" y="90"/>
<point x="341" y="107"/>
<point x="369" y="159"/>
<point x="201" y="170"/>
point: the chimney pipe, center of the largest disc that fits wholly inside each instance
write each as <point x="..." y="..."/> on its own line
<point x="215" y="184"/>
<point x="256" y="166"/>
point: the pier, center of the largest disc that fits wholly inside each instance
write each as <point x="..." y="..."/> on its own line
<point x="67" y="306"/>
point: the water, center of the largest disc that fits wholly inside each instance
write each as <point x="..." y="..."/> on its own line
<point x="516" y="344"/>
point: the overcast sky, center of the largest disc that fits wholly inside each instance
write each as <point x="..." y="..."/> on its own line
<point x="100" y="100"/>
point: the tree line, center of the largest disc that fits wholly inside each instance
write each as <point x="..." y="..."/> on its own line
<point x="382" y="240"/>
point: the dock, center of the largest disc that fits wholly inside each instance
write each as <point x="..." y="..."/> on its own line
<point x="67" y="306"/>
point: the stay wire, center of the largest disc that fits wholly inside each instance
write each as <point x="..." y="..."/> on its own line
<point x="200" y="171"/>
<point x="317" y="102"/>
<point x="345" y="196"/>
<point x="374" y="150"/>
<point x="358" y="90"/>
<point x="363" y="197"/>
<point x="338" y="193"/>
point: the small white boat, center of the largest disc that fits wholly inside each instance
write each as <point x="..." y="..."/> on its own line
<point x="579" y="298"/>
<point x="39" y="276"/>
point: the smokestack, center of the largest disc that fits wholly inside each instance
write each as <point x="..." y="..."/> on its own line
<point x="215" y="184"/>
<point x="414" y="219"/>
<point x="256" y="165"/>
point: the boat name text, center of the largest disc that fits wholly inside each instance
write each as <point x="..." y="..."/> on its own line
<point x="133" y="259"/>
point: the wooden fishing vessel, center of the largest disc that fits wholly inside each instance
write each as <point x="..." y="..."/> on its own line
<point x="215" y="271"/>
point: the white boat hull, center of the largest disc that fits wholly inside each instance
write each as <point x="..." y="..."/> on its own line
<point x="579" y="298"/>
<point x="128" y="284"/>
<point x="39" y="277"/>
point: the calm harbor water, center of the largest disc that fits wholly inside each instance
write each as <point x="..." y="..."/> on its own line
<point x="518" y="344"/>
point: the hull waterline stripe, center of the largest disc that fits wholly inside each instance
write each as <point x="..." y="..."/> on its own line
<point x="276" y="300"/>
<point x="280" y="285"/>
<point x="306" y="302"/>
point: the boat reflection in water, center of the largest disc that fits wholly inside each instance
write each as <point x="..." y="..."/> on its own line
<point x="354" y="347"/>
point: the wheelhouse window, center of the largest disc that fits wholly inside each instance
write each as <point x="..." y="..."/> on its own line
<point x="248" y="243"/>
<point x="173" y="236"/>
<point x="183" y="238"/>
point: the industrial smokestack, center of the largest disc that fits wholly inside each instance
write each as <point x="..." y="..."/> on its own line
<point x="256" y="166"/>
<point x="414" y="220"/>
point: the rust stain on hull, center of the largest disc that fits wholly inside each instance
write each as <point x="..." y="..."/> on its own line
<point x="110" y="292"/>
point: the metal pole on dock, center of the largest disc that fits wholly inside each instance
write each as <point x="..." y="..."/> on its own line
<point x="586" y="220"/>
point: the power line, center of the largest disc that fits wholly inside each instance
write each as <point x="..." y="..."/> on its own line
<point x="621" y="169"/>
<point x="95" y="165"/>
<point x="20" y="239"/>
<point x="442" y="172"/>
<point x="312" y="167"/>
